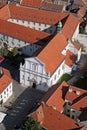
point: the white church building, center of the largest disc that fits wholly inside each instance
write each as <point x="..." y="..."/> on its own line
<point x="44" y="69"/>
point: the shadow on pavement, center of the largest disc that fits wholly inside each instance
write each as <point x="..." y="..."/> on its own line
<point x="23" y="105"/>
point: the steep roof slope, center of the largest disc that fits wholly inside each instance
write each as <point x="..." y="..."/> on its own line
<point x="40" y="16"/>
<point x="51" y="54"/>
<point x="70" y="26"/>
<point x="55" y="96"/>
<point x="5" y="79"/>
<point x="54" y="120"/>
<point x="21" y="32"/>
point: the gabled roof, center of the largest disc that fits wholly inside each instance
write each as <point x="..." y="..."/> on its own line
<point x="32" y="3"/>
<point x="70" y="58"/>
<point x="46" y="5"/>
<point x="55" y="96"/>
<point x="5" y="79"/>
<point x="81" y="104"/>
<point x="75" y="94"/>
<point x="39" y="16"/>
<point x="51" y="54"/>
<point x="5" y="13"/>
<point x="21" y="32"/>
<point x="70" y="26"/>
<point x="54" y="120"/>
<point x="81" y="11"/>
<point x="2" y="4"/>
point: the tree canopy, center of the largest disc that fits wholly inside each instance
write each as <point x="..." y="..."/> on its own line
<point x="31" y="124"/>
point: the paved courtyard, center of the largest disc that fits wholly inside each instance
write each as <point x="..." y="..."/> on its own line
<point x="23" y="101"/>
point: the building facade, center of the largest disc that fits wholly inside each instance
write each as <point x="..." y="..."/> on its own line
<point x="6" y="85"/>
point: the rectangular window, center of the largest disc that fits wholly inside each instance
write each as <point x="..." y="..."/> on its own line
<point x="68" y="110"/>
<point x="51" y="82"/>
<point x="28" y="79"/>
<point x="63" y="67"/>
<point x="45" y="25"/>
<point x="4" y="92"/>
<point x="23" y="77"/>
<point x="55" y="77"/>
<point x="59" y="72"/>
<point x="72" y="116"/>
<point x="34" y="67"/>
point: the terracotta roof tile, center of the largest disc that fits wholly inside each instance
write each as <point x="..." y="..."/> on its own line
<point x="82" y="11"/>
<point x="55" y="96"/>
<point x="54" y="120"/>
<point x="85" y="2"/>
<point x="5" y="80"/>
<point x="53" y="51"/>
<point x="81" y="104"/>
<point x="70" y="58"/>
<point x="40" y="16"/>
<point x="33" y="3"/>
<point x="77" y="45"/>
<point x="2" y="4"/>
<point x="51" y="7"/>
<point x="73" y="96"/>
<point x="4" y="13"/>
<point x="21" y="32"/>
<point x="70" y="26"/>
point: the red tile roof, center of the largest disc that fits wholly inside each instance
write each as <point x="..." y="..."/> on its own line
<point x="5" y="80"/>
<point x="53" y="51"/>
<point x="54" y="120"/>
<point x="81" y="104"/>
<point x="33" y="3"/>
<point x="82" y="11"/>
<point x="73" y="96"/>
<point x="70" y="58"/>
<point x="1" y="59"/>
<point x="85" y="2"/>
<point x="21" y="32"/>
<point x="77" y="45"/>
<point x="39" y="16"/>
<point x="55" y="96"/>
<point x="51" y="7"/>
<point x="2" y="4"/>
<point x="5" y="13"/>
<point x="70" y="26"/>
<point x="42" y="5"/>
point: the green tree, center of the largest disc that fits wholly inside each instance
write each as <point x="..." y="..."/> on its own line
<point x="15" y="51"/>
<point x="31" y="124"/>
<point x="5" y="51"/>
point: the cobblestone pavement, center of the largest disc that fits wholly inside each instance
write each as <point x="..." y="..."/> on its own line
<point x="23" y="101"/>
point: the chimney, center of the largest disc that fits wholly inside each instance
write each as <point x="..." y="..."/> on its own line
<point x="70" y="90"/>
<point x="77" y="92"/>
<point x="59" y="27"/>
<point x="40" y="112"/>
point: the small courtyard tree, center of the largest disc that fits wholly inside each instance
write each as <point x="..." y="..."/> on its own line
<point x="15" y="51"/>
<point x="31" y="124"/>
